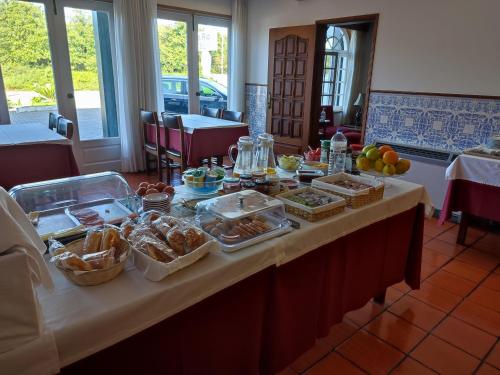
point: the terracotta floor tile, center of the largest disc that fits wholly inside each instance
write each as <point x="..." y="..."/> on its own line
<point x="427" y="238"/>
<point x="479" y="316"/>
<point x="365" y="314"/>
<point x="444" y="247"/>
<point x="444" y="358"/>
<point x="411" y="367"/>
<point x="287" y="371"/>
<point x="396" y="331"/>
<point x="490" y="243"/>
<point x="486" y="297"/>
<point x="370" y="353"/>
<point x="392" y="295"/>
<point x="433" y="229"/>
<point x="339" y="333"/>
<point x="466" y="337"/>
<point x="478" y="259"/>
<point x="313" y="355"/>
<point x="486" y="369"/>
<point x="492" y="282"/>
<point x="436" y="297"/>
<point x="452" y="283"/>
<point x="334" y="364"/>
<point x="417" y="313"/>
<point x="434" y="258"/>
<point x="465" y="270"/>
<point x="450" y="236"/>
<point x="494" y="357"/>
<point x="427" y="270"/>
<point x="402" y="287"/>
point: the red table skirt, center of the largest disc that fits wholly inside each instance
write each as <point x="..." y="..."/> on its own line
<point x="263" y="323"/>
<point x="21" y="164"/>
<point x="473" y="198"/>
<point x="202" y="143"/>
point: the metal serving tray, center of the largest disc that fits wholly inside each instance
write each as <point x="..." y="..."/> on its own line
<point x="55" y="220"/>
<point x="111" y="210"/>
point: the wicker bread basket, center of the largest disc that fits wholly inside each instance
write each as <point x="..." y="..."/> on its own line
<point x="312" y="213"/>
<point x="354" y="199"/>
<point x="95" y="277"/>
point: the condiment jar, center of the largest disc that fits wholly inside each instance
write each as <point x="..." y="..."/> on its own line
<point x="231" y="185"/>
<point x="274" y="183"/>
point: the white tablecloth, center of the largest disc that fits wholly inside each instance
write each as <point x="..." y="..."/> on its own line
<point x="85" y="320"/>
<point x="476" y="169"/>
<point x="18" y="134"/>
<point x="192" y="122"/>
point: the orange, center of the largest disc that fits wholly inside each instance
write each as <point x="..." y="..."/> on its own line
<point x="402" y="166"/>
<point x="390" y="157"/>
<point x="383" y="149"/>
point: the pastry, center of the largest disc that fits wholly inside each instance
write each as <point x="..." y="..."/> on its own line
<point x="110" y="238"/>
<point x="176" y="240"/>
<point x="194" y="239"/>
<point x="92" y="242"/>
<point x="101" y="260"/>
<point x="127" y="228"/>
<point x="73" y="262"/>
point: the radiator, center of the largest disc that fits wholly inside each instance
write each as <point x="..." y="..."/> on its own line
<point x="428" y="168"/>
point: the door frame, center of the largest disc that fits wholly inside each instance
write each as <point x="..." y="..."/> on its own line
<point x="320" y="41"/>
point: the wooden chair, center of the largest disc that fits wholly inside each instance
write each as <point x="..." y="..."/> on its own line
<point x="232" y="115"/>
<point x="65" y="127"/>
<point x="210" y="112"/>
<point x="53" y="120"/>
<point x="149" y="121"/>
<point x="173" y="158"/>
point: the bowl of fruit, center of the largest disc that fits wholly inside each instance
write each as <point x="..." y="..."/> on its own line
<point x="313" y="155"/>
<point x="290" y="163"/>
<point x="381" y="162"/>
<point x="204" y="181"/>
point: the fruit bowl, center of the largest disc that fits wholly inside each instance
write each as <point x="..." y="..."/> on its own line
<point x="204" y="187"/>
<point x="290" y="163"/>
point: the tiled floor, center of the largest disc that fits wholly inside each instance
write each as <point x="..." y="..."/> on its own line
<point x="450" y="326"/>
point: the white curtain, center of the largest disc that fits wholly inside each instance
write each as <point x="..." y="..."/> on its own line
<point x="138" y="74"/>
<point x="351" y="68"/>
<point x="237" y="69"/>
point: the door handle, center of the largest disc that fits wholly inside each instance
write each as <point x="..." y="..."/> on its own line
<point x="197" y="93"/>
<point x="70" y="95"/>
<point x="269" y="100"/>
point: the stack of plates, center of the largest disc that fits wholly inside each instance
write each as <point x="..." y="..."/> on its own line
<point x="156" y="201"/>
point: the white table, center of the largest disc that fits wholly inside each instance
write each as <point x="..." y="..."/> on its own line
<point x="130" y="304"/>
<point x="29" y="133"/>
<point x="192" y="122"/>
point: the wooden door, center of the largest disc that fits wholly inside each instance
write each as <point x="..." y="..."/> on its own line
<point x="290" y="76"/>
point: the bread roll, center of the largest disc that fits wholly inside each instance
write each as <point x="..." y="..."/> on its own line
<point x="92" y="242"/>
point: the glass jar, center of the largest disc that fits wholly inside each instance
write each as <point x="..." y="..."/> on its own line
<point x="231" y="185"/>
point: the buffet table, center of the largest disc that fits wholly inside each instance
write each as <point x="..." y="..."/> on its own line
<point x="473" y="189"/>
<point x="251" y="311"/>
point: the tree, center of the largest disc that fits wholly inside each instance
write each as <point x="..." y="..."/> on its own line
<point x="173" y="48"/>
<point x="219" y="57"/>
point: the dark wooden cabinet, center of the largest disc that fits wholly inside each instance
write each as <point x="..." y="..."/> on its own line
<point x="290" y="75"/>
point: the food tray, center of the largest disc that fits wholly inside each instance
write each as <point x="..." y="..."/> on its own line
<point x="312" y="213"/>
<point x="155" y="270"/>
<point x="111" y="210"/>
<point x="95" y="277"/>
<point x="354" y="198"/>
<point x="54" y="222"/>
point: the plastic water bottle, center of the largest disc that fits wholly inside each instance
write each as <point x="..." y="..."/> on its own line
<point x="322" y="115"/>
<point x="338" y="150"/>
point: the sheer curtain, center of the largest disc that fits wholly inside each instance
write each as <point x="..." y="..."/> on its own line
<point x="352" y="66"/>
<point x="237" y="70"/>
<point x="138" y="74"/>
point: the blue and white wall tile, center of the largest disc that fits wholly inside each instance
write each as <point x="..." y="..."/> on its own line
<point x="255" y="103"/>
<point x="437" y="122"/>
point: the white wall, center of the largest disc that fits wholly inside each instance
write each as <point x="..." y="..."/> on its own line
<point x="212" y="6"/>
<point x="450" y="46"/>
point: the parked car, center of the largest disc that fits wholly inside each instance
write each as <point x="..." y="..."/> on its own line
<point x="175" y="94"/>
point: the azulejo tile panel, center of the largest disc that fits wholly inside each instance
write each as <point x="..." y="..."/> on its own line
<point x="431" y="121"/>
<point x="255" y="103"/>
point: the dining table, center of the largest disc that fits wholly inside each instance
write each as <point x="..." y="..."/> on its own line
<point x="246" y="312"/>
<point x="473" y="189"/>
<point x="32" y="152"/>
<point x="204" y="137"/>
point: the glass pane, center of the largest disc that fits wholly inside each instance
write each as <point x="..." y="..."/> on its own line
<point x="327" y="88"/>
<point x="91" y="60"/>
<point x="213" y="65"/>
<point x="339" y="100"/>
<point x="26" y="62"/>
<point x="172" y="39"/>
<point x="326" y="100"/>
<point x="341" y="75"/>
<point x="343" y="63"/>
<point x="340" y="88"/>
<point x="328" y="75"/>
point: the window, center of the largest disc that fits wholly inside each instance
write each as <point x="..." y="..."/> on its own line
<point x="335" y="67"/>
<point x="207" y="91"/>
